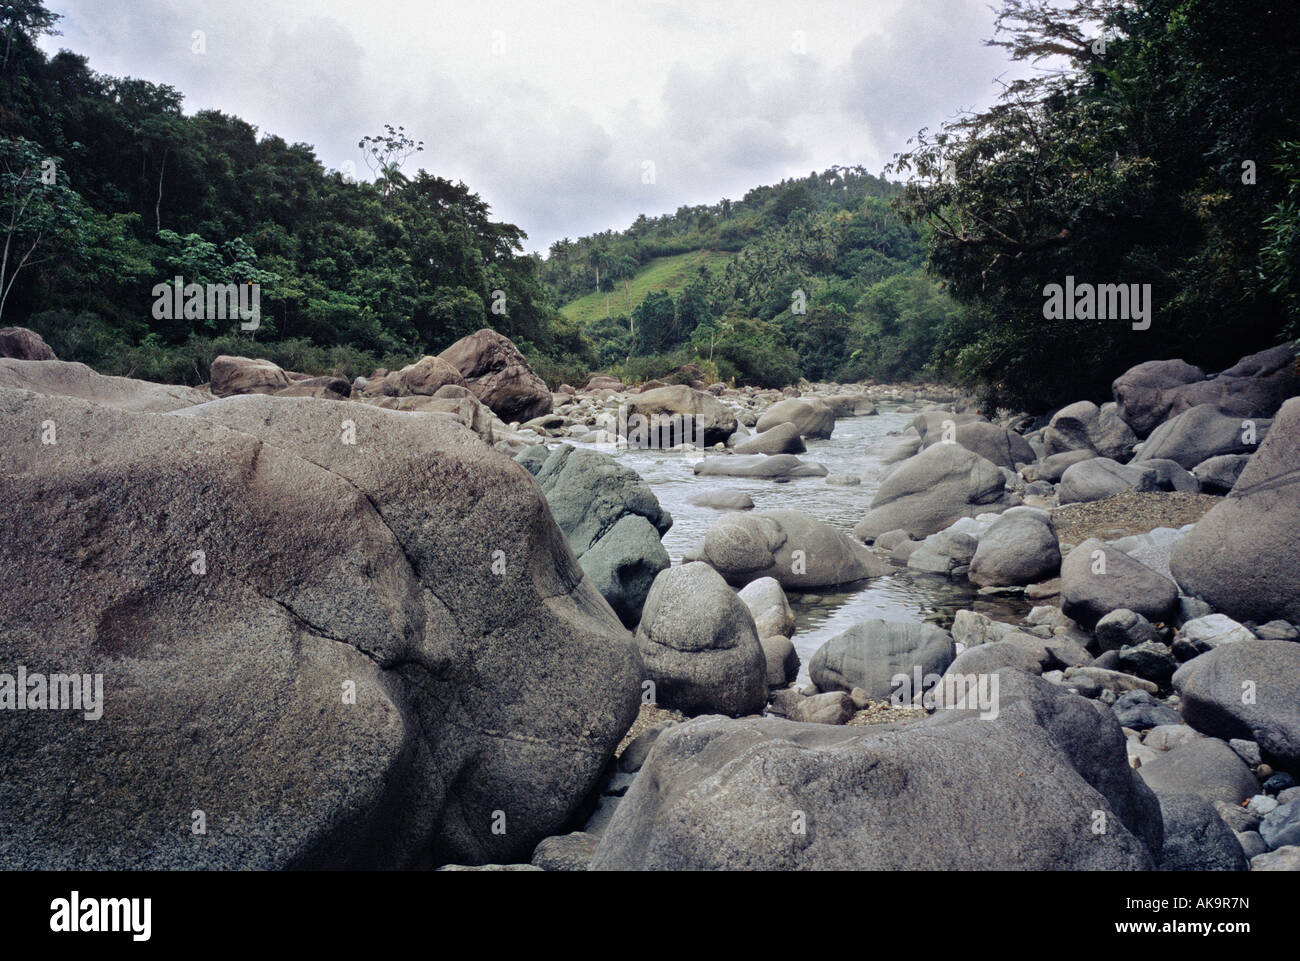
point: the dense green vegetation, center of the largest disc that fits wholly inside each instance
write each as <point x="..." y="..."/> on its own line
<point x="1164" y="152"/>
<point x="109" y="188"/>
<point x="1163" y="148"/>
<point x="816" y="277"/>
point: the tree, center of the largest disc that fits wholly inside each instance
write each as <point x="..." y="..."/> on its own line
<point x="38" y="209"/>
<point x="1121" y="164"/>
<point x="385" y="154"/>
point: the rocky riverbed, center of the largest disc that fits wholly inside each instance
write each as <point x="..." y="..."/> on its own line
<point x="442" y="616"/>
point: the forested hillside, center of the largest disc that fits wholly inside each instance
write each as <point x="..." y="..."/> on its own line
<point x="817" y="277"/>
<point x="112" y="189"/>
<point x="1152" y="148"/>
<point x="1163" y="150"/>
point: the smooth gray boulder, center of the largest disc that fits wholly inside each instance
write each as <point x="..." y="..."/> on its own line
<point x="1214" y="686"/>
<point x="1211" y="630"/>
<point x="1097" y="578"/>
<point x="998" y="445"/>
<point x="1019" y="548"/>
<point x="59" y="378"/>
<point x="613" y="523"/>
<point x="1144" y="394"/>
<point x="769" y="606"/>
<point x="799" y="551"/>
<point x="943" y="553"/>
<point x="1083" y="426"/>
<point x="1255" y="386"/>
<point x="1171" y="476"/>
<point x="1281" y="826"/>
<point x="1101" y="477"/>
<point x="834" y="707"/>
<point x="1123" y="628"/>
<point x="566" y="852"/>
<point x="995" y="656"/>
<point x="1051" y="468"/>
<point x="699" y="645"/>
<point x="869" y="655"/>
<point x="782" y="659"/>
<point x="682" y="413"/>
<point x="1201" y="433"/>
<point x="1196" y="839"/>
<point x="931" y="424"/>
<point x="1243" y="557"/>
<point x="1206" y="767"/>
<point x="722" y="500"/>
<point x="781" y="439"/>
<point x="809" y="416"/>
<point x="929" y="492"/>
<point x="1218" y="475"/>
<point x="769" y="794"/>
<point x="348" y="675"/>
<point x="770" y="467"/>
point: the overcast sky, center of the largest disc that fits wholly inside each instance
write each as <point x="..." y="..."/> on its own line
<point x="551" y="110"/>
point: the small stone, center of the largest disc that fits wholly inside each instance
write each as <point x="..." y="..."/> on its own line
<point x="1283" y="859"/>
<point x="835" y="707"/>
<point x="1261" y="804"/>
<point x="1251" y="843"/>
<point x="1281" y="826"/>
<point x="1277" y="783"/>
<point x="1248" y="751"/>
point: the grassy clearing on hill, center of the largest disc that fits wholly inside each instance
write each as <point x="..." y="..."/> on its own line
<point x="663" y="273"/>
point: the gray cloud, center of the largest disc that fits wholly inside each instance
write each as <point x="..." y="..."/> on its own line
<point x="550" y="113"/>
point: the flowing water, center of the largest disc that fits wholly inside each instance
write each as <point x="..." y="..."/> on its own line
<point x="856" y="449"/>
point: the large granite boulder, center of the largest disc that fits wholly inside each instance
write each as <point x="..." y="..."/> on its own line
<point x="1243" y="557"/>
<point x="699" y="645"/>
<point x="810" y="416"/>
<point x="58" y="378"/>
<point x="1021" y="791"/>
<point x="1246" y="689"/>
<point x="245" y="375"/>
<point x="424" y="377"/>
<point x="23" y="344"/>
<point x="1003" y="447"/>
<point x="1085" y="426"/>
<point x="1020" y="547"/>
<point x="871" y="654"/>
<point x="769" y="606"/>
<point x="929" y="492"/>
<point x="1255" y="386"/>
<point x="781" y="439"/>
<point x="457" y="403"/>
<point x="693" y="416"/>
<point x="1101" y="477"/>
<point x="1200" y="433"/>
<point x="765" y="466"/>
<point x="1097" y="578"/>
<point x="1206" y="767"/>
<point x="1196" y="838"/>
<point x="499" y="375"/>
<point x="613" y="523"/>
<point x="350" y="637"/>
<point x="799" y="551"/>
<point x="1218" y="475"/>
